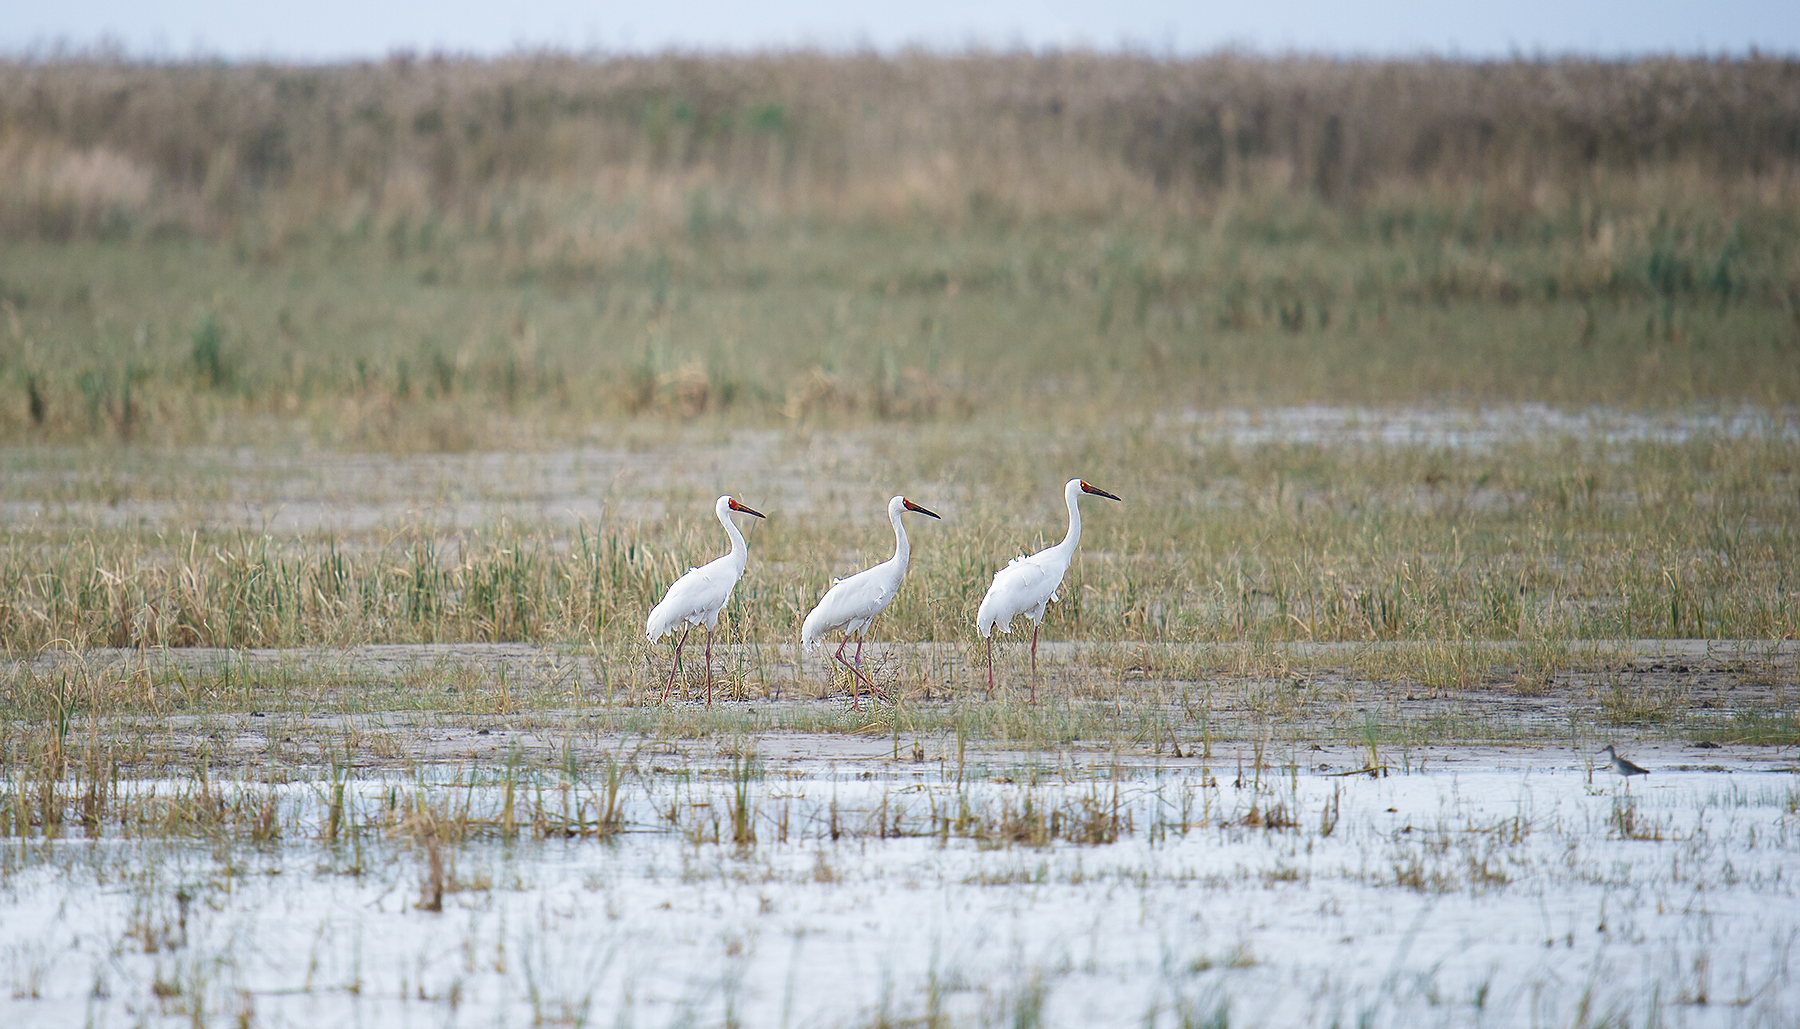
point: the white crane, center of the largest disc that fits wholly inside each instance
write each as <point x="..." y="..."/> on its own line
<point x="853" y="602"/>
<point x="697" y="597"/>
<point x="1027" y="585"/>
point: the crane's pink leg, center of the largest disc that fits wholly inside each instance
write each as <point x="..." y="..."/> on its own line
<point x="1034" y="632"/>
<point x="677" y="668"/>
<point x="709" y="633"/>
<point x="854" y="703"/>
<point x="855" y="672"/>
<point x="990" y="640"/>
<point x="870" y="683"/>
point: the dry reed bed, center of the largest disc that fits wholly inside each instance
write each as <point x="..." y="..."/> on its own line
<point x="88" y="140"/>
<point x="1539" y="541"/>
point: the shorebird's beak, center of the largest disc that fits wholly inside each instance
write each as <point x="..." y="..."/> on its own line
<point x="735" y="506"/>
<point x="910" y="506"/>
<point x="1098" y="492"/>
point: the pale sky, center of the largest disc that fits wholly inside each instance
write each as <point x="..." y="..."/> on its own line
<point x="327" y="30"/>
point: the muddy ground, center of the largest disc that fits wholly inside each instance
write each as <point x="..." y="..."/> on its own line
<point x="1691" y="704"/>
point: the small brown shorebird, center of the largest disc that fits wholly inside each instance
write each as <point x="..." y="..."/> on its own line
<point x="1624" y="767"/>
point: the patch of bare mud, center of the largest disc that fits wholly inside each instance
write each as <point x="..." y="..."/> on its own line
<point x="1682" y="702"/>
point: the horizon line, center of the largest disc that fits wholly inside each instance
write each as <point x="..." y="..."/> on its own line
<point x="110" y="50"/>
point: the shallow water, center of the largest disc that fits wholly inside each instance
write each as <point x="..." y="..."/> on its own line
<point x="1485" y="428"/>
<point x="1495" y="888"/>
<point x="283" y="491"/>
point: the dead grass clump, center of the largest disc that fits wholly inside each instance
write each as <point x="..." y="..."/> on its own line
<point x="1643" y="706"/>
<point x="422" y="828"/>
<point x="1096" y="817"/>
<point x="1422" y="874"/>
<point x="1275" y="816"/>
<point x="907" y="394"/>
<point x="688" y="391"/>
<point x="819" y="392"/>
<point x="56" y="191"/>
<point x="1625" y="821"/>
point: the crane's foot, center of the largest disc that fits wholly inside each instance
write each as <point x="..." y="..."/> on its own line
<point x="856" y="677"/>
<point x="869" y="685"/>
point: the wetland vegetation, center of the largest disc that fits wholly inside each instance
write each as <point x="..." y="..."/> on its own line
<point x="352" y="418"/>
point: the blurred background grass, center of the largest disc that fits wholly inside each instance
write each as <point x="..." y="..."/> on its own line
<point x="446" y="254"/>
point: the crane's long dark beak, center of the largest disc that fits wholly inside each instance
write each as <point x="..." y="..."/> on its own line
<point x="910" y="506"/>
<point x="735" y="506"/>
<point x="1098" y="492"/>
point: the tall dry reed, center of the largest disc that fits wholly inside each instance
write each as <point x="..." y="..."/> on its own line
<point x="92" y="145"/>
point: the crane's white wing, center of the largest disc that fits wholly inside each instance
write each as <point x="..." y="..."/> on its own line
<point x="851" y="603"/>
<point x="1044" y="561"/>
<point x="1024" y="586"/>
<point x="696" y="597"/>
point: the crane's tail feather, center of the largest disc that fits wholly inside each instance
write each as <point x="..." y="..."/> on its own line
<point x="986" y="626"/>
<point x="812" y="631"/>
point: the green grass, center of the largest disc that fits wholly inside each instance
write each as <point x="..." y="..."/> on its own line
<point x="461" y="339"/>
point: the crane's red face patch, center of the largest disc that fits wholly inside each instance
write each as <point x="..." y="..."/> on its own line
<point x="735" y="506"/>
<point x="910" y="506"/>
<point x="1097" y="491"/>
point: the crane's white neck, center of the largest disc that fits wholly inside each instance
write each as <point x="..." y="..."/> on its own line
<point x="739" y="552"/>
<point x="1071" y="496"/>
<point x="902" y="547"/>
